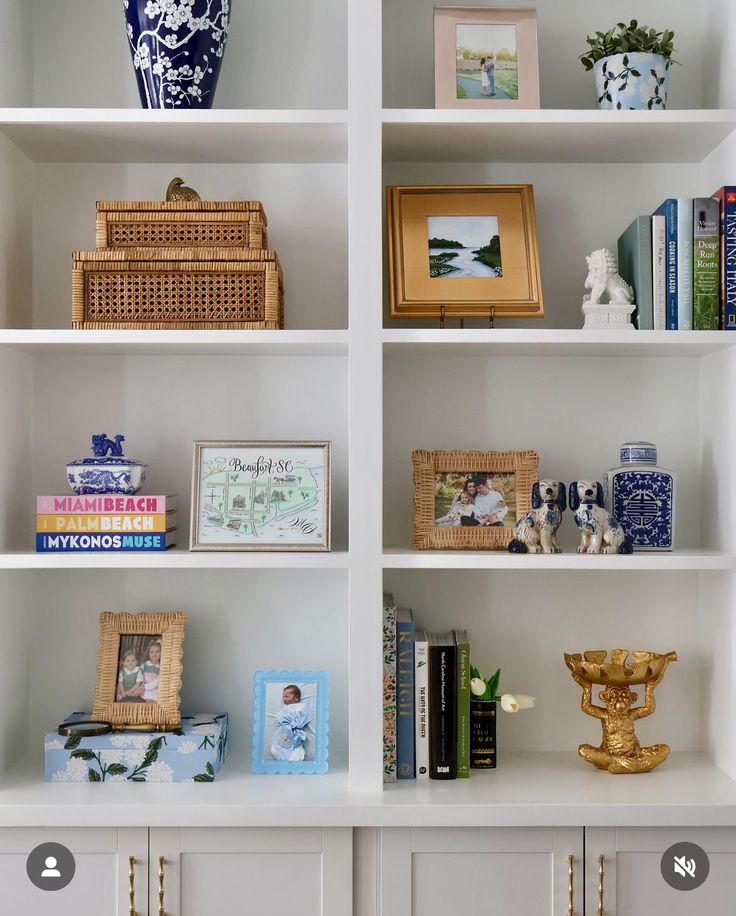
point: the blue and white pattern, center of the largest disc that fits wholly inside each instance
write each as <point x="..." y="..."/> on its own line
<point x="106" y="475"/>
<point x="643" y="502"/>
<point x="195" y="753"/>
<point x="177" y="48"/>
<point x="634" y="81"/>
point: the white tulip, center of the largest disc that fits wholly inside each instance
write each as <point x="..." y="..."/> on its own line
<point x="477" y="686"/>
<point x="513" y="702"/>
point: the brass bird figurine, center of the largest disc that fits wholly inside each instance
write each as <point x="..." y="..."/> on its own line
<point x="177" y="190"/>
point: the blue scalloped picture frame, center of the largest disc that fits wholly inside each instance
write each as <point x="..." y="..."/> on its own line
<point x="313" y="737"/>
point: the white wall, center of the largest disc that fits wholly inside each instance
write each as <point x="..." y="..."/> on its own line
<point x="575" y="412"/>
<point x="16" y="447"/>
<point x="16" y="682"/>
<point x="305" y="206"/>
<point x="16" y="59"/>
<point x="239" y="621"/>
<point x="408" y="69"/>
<point x="524" y="623"/>
<point x="280" y="54"/>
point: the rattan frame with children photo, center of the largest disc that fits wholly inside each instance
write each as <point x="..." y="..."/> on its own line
<point x="131" y="690"/>
<point x="470" y="500"/>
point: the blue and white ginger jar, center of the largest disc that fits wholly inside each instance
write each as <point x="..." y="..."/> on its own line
<point x="177" y="48"/>
<point x="641" y="495"/>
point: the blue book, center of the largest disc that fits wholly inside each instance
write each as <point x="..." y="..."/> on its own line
<point x="104" y="543"/>
<point x="635" y="266"/>
<point x="405" y="734"/>
<point x="668" y="209"/>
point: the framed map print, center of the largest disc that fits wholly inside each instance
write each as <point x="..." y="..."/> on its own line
<point x="260" y="496"/>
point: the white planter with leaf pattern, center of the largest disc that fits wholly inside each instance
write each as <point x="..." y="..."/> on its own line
<point x="635" y="81"/>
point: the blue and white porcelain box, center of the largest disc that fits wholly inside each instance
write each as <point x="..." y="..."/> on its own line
<point x="642" y="497"/>
<point x="194" y="753"/>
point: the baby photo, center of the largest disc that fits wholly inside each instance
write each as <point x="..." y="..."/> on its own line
<point x="139" y="669"/>
<point x="475" y="500"/>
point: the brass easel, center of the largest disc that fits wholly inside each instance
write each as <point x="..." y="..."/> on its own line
<point x="491" y="318"/>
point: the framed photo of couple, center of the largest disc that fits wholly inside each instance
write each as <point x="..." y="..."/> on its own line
<point x="486" y="57"/>
<point x="139" y="669"/>
<point x="470" y="500"/>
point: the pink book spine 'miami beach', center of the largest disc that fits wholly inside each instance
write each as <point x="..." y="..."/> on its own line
<point x="50" y="505"/>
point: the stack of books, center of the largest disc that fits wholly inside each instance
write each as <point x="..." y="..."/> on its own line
<point x="105" y="523"/>
<point x="681" y="263"/>
<point x="426" y="690"/>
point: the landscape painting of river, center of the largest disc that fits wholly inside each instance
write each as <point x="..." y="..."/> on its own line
<point x="464" y="246"/>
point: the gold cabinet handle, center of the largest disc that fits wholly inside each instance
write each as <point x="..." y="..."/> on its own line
<point x="570" y="886"/>
<point x="601" y="876"/>
<point x="161" y="863"/>
<point x="131" y="885"/>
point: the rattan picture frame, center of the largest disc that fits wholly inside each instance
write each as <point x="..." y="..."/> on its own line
<point x="500" y="282"/>
<point x="165" y="713"/>
<point x="429" y="464"/>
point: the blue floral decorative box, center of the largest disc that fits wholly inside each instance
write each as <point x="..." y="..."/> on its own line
<point x="195" y="753"/>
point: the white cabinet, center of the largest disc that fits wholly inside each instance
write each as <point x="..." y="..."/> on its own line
<point x="632" y="882"/>
<point x="279" y="871"/>
<point x="511" y="871"/>
<point x="102" y="883"/>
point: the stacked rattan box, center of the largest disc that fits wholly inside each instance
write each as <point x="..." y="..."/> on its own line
<point x="186" y="264"/>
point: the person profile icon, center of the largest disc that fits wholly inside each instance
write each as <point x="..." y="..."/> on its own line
<point x="51" y="871"/>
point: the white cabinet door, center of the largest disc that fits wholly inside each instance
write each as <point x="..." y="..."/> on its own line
<point x="279" y="871"/>
<point x="632" y="882"/>
<point x="490" y="870"/>
<point x="101" y="882"/>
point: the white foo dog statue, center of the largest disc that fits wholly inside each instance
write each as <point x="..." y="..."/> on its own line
<point x="603" y="280"/>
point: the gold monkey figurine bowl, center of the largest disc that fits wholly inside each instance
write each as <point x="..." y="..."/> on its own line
<point x="620" y="751"/>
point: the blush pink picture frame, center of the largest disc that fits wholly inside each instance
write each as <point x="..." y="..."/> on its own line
<point x="446" y="22"/>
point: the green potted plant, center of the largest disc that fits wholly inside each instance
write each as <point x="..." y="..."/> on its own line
<point x="483" y="704"/>
<point x="631" y="65"/>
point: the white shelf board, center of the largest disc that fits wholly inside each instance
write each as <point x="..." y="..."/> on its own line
<point x="688" y="560"/>
<point x="177" y="558"/>
<point x="545" y="789"/>
<point x="131" y="135"/>
<point x="553" y="135"/>
<point x="177" y="343"/>
<point x="554" y="342"/>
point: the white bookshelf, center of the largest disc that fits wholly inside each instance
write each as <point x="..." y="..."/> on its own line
<point x="317" y="150"/>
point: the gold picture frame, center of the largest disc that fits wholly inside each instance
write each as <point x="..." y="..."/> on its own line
<point x="165" y="711"/>
<point x="433" y="470"/>
<point x="500" y="278"/>
<point x="504" y="35"/>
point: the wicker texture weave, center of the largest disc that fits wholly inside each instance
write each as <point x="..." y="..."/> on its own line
<point x="428" y="535"/>
<point x="201" y="288"/>
<point x="185" y="224"/>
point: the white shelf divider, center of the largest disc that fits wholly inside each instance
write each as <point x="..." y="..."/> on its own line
<point x="177" y="558"/>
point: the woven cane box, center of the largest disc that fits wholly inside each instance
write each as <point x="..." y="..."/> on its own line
<point x="175" y="289"/>
<point x="181" y="224"/>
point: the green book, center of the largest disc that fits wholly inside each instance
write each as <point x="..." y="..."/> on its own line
<point x="706" y="263"/>
<point x="463" y="703"/>
<point x="635" y="266"/>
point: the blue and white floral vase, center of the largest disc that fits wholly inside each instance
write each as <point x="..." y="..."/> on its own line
<point x="177" y="48"/>
<point x="635" y="81"/>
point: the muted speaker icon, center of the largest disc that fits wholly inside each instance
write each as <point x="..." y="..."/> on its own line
<point x="684" y="867"/>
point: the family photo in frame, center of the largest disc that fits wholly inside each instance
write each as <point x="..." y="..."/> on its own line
<point x="470" y="500"/>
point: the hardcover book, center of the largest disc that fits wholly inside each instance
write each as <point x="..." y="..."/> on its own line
<point x="463" y="703"/>
<point x="635" y="266"/>
<point x="727" y="198"/>
<point x="86" y="522"/>
<point x="706" y="264"/>
<point x="442" y="707"/>
<point x="389" y="689"/>
<point x="684" y="264"/>
<point x="421" y="712"/>
<point x="91" y="543"/>
<point x="659" y="272"/>
<point x="405" y="694"/>
<point x="668" y="209"/>
<point x="106" y="503"/>
<point x="483" y="735"/>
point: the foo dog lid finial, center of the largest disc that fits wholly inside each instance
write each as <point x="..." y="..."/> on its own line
<point x="107" y="451"/>
<point x="177" y="190"/>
